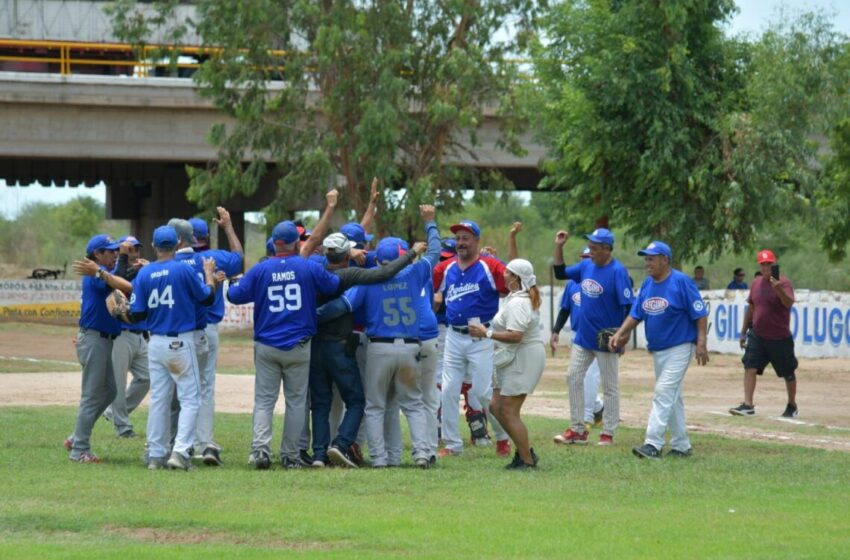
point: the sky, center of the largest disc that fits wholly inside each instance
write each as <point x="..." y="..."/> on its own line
<point x="752" y="17"/>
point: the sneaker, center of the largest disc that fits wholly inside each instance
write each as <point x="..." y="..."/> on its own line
<point x="260" y="460"/>
<point x="178" y="461"/>
<point x="743" y="409"/>
<point x="503" y="448"/>
<point x="482" y="442"/>
<point x="647" y="451"/>
<point x="356" y="455"/>
<point x="790" y="411"/>
<point x="570" y="437"/>
<point x="446" y="452"/>
<point x="156" y="463"/>
<point x="288" y="463"/>
<point x="86" y="457"/>
<point x="519" y="465"/>
<point x="68" y="443"/>
<point x="305" y="458"/>
<point x="676" y="453"/>
<point x="318" y="464"/>
<point x="534" y="456"/>
<point x="341" y="458"/>
<point x="606" y="439"/>
<point x="129" y="434"/>
<point x="597" y="417"/>
<point x="423" y="463"/>
<point x="516" y="461"/>
<point x="212" y="457"/>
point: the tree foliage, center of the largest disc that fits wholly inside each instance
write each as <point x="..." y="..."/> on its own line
<point x="339" y="91"/>
<point x="670" y="129"/>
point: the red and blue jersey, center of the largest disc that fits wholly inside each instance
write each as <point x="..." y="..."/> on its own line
<point x="606" y="293"/>
<point x="284" y="291"/>
<point x="93" y="311"/>
<point x="669" y="310"/>
<point x="231" y="264"/>
<point x="170" y="292"/>
<point x="470" y="292"/>
<point x="392" y="309"/>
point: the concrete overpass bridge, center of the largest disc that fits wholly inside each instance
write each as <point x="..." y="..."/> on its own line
<point x="61" y="122"/>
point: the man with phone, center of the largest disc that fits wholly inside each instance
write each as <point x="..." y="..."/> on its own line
<point x="770" y="342"/>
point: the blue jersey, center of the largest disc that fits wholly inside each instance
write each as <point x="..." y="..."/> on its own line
<point x="393" y="308"/>
<point x="470" y="292"/>
<point x="194" y="261"/>
<point x="284" y="291"/>
<point x="605" y="293"/>
<point x="170" y="292"/>
<point x="93" y="311"/>
<point x="571" y="301"/>
<point x="669" y="310"/>
<point x="427" y="318"/>
<point x="231" y="264"/>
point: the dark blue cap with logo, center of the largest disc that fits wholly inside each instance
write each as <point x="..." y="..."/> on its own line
<point x="467" y="225"/>
<point x="165" y="236"/>
<point x="101" y="242"/>
<point x="601" y="235"/>
<point x="355" y="232"/>
<point x="656" y="248"/>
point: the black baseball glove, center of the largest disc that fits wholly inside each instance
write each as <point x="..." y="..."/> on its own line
<point x="602" y="338"/>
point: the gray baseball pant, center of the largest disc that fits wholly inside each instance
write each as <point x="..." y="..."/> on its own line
<point x="206" y="414"/>
<point x="202" y="349"/>
<point x="393" y="369"/>
<point x="94" y="353"/>
<point x="580" y="360"/>
<point x="129" y="353"/>
<point x="273" y="367"/>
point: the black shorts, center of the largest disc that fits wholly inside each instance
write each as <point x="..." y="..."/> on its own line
<point x="778" y="353"/>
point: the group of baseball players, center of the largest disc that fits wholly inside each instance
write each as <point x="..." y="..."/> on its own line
<point x="358" y="332"/>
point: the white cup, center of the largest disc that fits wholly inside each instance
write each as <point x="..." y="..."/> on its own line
<point x="473" y="321"/>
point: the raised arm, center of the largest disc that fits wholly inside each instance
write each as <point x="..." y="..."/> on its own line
<point x="353" y="276"/>
<point x="558" y="255"/>
<point x="88" y="267"/>
<point x="427" y="212"/>
<point x="372" y="209"/>
<point x="224" y="223"/>
<point x="321" y="228"/>
<point x="512" y="250"/>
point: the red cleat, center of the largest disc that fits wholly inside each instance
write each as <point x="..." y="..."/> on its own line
<point x="503" y="448"/>
<point x="570" y="437"/>
<point x="605" y="439"/>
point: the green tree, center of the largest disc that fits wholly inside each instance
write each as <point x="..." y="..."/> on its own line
<point x="389" y="88"/>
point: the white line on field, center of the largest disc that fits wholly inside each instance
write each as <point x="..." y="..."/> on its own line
<point x="38" y="361"/>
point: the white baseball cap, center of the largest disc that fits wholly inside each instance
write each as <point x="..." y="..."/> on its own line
<point x="337" y="242"/>
<point x="525" y="271"/>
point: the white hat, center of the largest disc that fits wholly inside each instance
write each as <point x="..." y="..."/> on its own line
<point x="525" y="271"/>
<point x="337" y="242"/>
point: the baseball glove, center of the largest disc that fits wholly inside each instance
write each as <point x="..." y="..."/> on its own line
<point x="117" y="303"/>
<point x="602" y="338"/>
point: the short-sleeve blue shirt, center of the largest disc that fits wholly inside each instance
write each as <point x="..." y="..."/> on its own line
<point x="669" y="310"/>
<point x="605" y="293"/>
<point x="170" y="292"/>
<point x="93" y="311"/>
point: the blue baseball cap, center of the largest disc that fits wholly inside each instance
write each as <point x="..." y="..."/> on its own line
<point x="101" y="241"/>
<point x="165" y="236"/>
<point x="131" y="239"/>
<point x="656" y="248"/>
<point x="601" y="235"/>
<point x="467" y="225"/>
<point x="355" y="232"/>
<point x="389" y="249"/>
<point x="449" y="248"/>
<point x="286" y="231"/>
<point x="199" y="228"/>
<point x="270" y="247"/>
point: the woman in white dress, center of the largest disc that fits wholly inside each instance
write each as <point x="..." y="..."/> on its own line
<point x="520" y="356"/>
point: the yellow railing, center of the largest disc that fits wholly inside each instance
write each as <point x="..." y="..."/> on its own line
<point x="68" y="54"/>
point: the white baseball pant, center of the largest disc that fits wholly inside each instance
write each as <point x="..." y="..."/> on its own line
<point x="580" y="361"/>
<point x="668" y="409"/>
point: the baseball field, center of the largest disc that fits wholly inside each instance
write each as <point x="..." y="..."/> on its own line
<point x="756" y="487"/>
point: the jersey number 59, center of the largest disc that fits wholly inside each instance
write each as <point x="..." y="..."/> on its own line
<point x="289" y="299"/>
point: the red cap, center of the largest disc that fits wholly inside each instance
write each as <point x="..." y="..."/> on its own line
<point x="766" y="256"/>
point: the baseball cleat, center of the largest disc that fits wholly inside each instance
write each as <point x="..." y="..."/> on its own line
<point x="179" y="461"/>
<point x="356" y="455"/>
<point x="129" y="434"/>
<point x="446" y="452"/>
<point x="260" y="460"/>
<point x="743" y="409"/>
<point x="647" y="451"/>
<point x="341" y="458"/>
<point x="68" y="444"/>
<point x="288" y="463"/>
<point x="676" y="453"/>
<point x="423" y="463"/>
<point x="790" y="411"/>
<point x="570" y="437"/>
<point x="482" y="442"/>
<point x="305" y="458"/>
<point x="156" y="463"/>
<point x="85" y="457"/>
<point x="503" y="448"/>
<point x="212" y="457"/>
<point x="606" y="439"/>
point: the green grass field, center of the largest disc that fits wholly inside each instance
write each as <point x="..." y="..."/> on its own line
<point x="732" y="499"/>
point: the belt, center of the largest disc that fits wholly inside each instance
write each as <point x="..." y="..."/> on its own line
<point x="134" y="331"/>
<point x="465" y="330"/>
<point x="102" y="334"/>
<point x="390" y="340"/>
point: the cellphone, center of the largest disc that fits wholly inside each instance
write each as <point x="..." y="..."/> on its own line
<point x="774" y="271"/>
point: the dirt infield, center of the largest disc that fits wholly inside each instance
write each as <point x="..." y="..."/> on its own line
<point x="823" y="397"/>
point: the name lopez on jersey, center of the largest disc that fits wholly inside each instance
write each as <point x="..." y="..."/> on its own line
<point x="456" y="291"/>
<point x="287" y="276"/>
